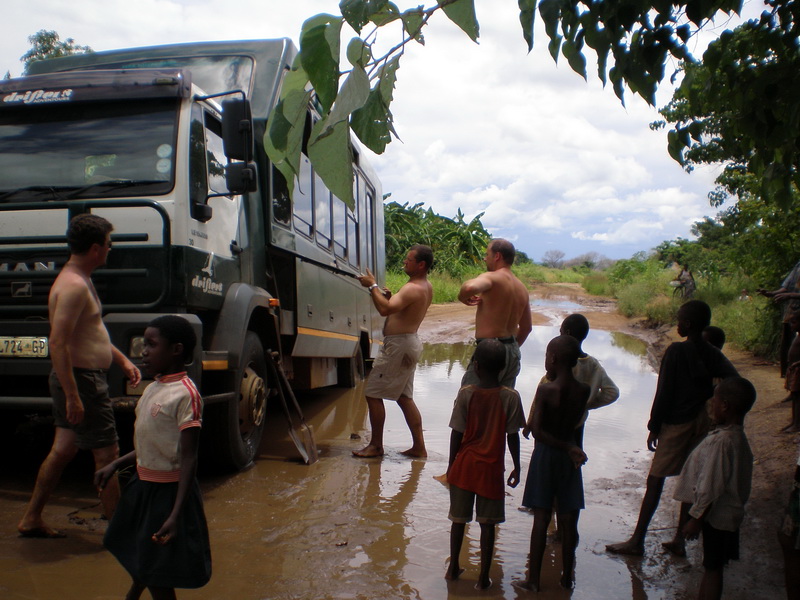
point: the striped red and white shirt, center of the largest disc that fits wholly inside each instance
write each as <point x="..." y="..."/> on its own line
<point x="168" y="406"/>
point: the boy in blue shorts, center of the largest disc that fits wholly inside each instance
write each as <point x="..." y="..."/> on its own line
<point x="554" y="475"/>
<point x="486" y="417"/>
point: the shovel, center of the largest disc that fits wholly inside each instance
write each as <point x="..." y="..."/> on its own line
<point x="302" y="436"/>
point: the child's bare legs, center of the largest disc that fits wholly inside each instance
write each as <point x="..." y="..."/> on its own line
<point x="456" y="539"/>
<point x="135" y="591"/>
<point x="162" y="593"/>
<point x="791" y="566"/>
<point x="541" y="521"/>
<point x="487" y="551"/>
<point x="414" y="421"/>
<point x="794" y="424"/>
<point x="634" y="546"/>
<point x="711" y="585"/>
<point x="678" y="544"/>
<point x="568" y="522"/>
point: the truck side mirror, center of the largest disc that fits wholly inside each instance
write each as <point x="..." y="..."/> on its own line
<point x="240" y="177"/>
<point x="237" y="129"/>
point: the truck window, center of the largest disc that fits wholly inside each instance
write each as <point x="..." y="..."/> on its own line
<point x="281" y="203"/>
<point x="215" y="155"/>
<point x="322" y="212"/>
<point x="339" y="228"/>
<point x="352" y="239"/>
<point x="98" y="149"/>
<point x="302" y="210"/>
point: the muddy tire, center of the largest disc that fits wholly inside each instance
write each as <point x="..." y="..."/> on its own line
<point x="351" y="371"/>
<point x="239" y="428"/>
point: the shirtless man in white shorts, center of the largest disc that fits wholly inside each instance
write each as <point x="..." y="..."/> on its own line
<point x="81" y="353"/>
<point x="504" y="310"/>
<point x="392" y="375"/>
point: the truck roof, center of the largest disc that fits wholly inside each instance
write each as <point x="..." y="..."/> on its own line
<point x="215" y="66"/>
<point x="101" y="84"/>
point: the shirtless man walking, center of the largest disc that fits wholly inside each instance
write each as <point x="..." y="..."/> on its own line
<point x="81" y="352"/>
<point x="392" y="375"/>
<point x="504" y="310"/>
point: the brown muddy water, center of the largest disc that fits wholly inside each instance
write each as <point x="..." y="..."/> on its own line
<point x="371" y="528"/>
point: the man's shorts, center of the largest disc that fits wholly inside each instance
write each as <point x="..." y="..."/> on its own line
<point x="392" y="374"/>
<point x="508" y="376"/>
<point x="487" y="511"/>
<point x="719" y="547"/>
<point x="675" y="442"/>
<point x="98" y="428"/>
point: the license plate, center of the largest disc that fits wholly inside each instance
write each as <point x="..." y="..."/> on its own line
<point x="24" y="347"/>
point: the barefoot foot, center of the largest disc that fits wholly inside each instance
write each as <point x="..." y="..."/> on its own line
<point x="415" y="453"/>
<point x="369" y="452"/>
<point x="628" y="548"/>
<point x="484" y="583"/>
<point x="453" y="574"/>
<point x="525" y="585"/>
<point x="678" y="548"/>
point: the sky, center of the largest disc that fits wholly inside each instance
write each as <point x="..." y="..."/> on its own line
<point x="552" y="161"/>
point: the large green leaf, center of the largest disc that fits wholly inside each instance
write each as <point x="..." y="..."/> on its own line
<point x="527" y="16"/>
<point x="352" y="96"/>
<point x="373" y="122"/>
<point x="319" y="55"/>
<point x="330" y="153"/>
<point x="462" y="13"/>
<point x="358" y="13"/>
<point x="283" y="138"/>
<point x="412" y="23"/>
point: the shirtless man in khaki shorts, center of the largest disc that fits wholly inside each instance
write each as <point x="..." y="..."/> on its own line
<point x="81" y="352"/>
<point x="504" y="310"/>
<point x="392" y="375"/>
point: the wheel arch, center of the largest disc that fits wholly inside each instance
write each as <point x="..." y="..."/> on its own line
<point x="246" y="308"/>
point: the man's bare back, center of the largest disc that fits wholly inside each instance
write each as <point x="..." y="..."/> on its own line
<point x="503" y="301"/>
<point x="503" y="306"/>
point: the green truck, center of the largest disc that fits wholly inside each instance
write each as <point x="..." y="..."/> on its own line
<point x="164" y="142"/>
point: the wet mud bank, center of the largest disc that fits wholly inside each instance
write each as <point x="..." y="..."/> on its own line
<point x="363" y="529"/>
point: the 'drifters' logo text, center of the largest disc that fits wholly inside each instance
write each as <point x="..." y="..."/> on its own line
<point x="207" y="285"/>
<point x="38" y="96"/>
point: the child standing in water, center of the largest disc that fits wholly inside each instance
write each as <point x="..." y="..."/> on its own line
<point x="486" y="417"/>
<point x="159" y="531"/>
<point x="554" y="475"/>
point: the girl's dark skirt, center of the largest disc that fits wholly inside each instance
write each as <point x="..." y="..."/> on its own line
<point x="184" y="561"/>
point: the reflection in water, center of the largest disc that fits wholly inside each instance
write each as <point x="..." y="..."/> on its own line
<point x="613" y="441"/>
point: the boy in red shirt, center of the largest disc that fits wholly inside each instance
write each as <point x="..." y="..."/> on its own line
<point x="485" y="417"/>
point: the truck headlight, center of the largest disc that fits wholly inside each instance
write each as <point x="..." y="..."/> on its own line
<point x="136" y="347"/>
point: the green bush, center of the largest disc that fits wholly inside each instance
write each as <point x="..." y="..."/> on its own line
<point x="597" y="284"/>
<point x="752" y="325"/>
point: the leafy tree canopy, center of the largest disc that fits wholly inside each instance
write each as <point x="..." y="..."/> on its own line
<point x="48" y="44"/>
<point x="739" y="105"/>
<point x="632" y="41"/>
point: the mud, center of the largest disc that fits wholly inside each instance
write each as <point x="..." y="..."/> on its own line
<point x="378" y="528"/>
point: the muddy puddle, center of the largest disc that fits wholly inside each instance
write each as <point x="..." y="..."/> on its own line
<point x="372" y="528"/>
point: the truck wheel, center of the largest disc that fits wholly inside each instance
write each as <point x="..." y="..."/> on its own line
<point x="351" y="371"/>
<point x="246" y="413"/>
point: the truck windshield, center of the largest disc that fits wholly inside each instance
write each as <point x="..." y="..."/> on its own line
<point x="87" y="149"/>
